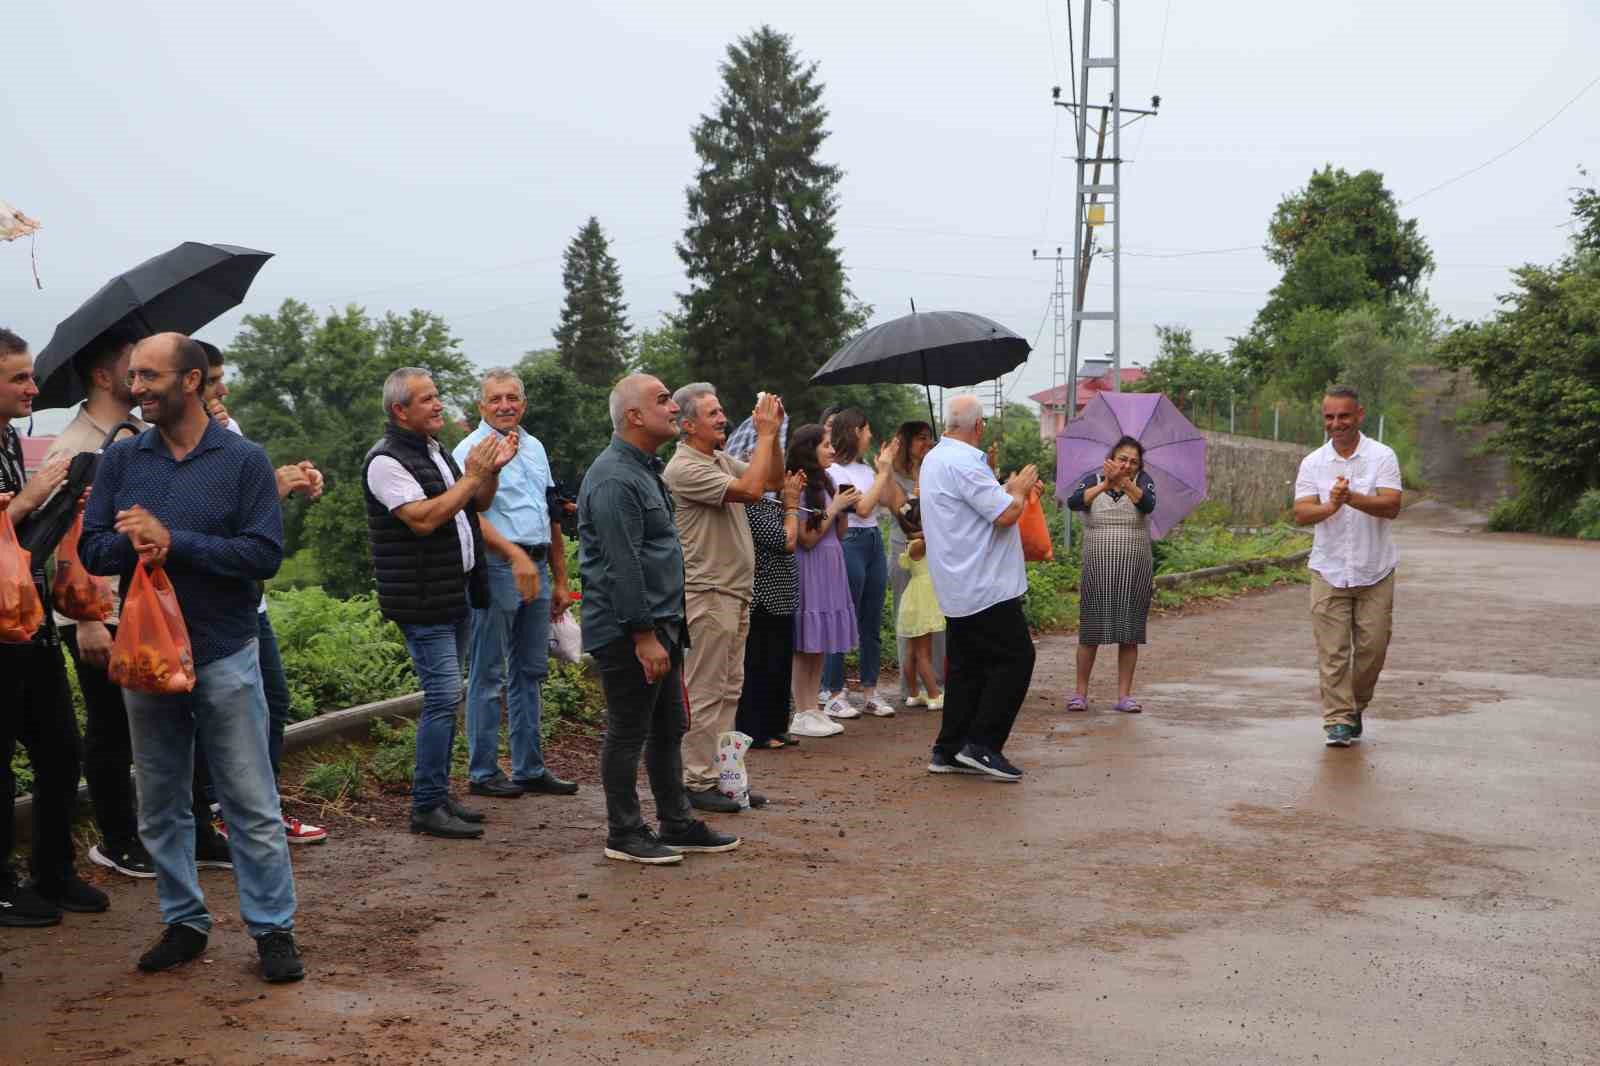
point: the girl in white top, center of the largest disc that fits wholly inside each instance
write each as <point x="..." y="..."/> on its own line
<point x="865" y="560"/>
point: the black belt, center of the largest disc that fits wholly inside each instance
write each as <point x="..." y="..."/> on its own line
<point x="536" y="552"/>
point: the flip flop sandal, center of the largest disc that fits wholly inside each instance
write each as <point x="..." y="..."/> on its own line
<point x="1128" y="706"/>
<point x="775" y="744"/>
<point x="790" y="740"/>
<point x="1077" y="702"/>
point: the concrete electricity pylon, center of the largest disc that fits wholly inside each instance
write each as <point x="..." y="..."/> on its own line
<point x="1094" y="194"/>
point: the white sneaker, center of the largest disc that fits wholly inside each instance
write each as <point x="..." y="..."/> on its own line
<point x="916" y="701"/>
<point x="878" y="708"/>
<point x="839" y="707"/>
<point x="812" y="724"/>
<point x="936" y="704"/>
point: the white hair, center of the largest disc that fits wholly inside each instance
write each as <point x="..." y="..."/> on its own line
<point x="397" y="387"/>
<point x="963" y="414"/>
<point x="501" y="373"/>
<point x="688" y="400"/>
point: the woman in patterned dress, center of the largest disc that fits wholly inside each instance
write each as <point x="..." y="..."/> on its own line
<point x="1118" y="571"/>
<point x="769" y="652"/>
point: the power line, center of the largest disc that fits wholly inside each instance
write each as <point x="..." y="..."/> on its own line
<point x="1155" y="87"/>
<point x="1496" y="158"/>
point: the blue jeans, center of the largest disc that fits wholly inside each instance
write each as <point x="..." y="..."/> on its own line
<point x="437" y="652"/>
<point x="276" y="687"/>
<point x="508" y="631"/>
<point x="226" y="715"/>
<point x="868" y="570"/>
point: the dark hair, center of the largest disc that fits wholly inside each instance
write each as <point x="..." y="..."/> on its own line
<point x="1128" y="442"/>
<point x="11" y="344"/>
<point x="909" y="515"/>
<point x="103" y="351"/>
<point x="802" y="456"/>
<point x="1345" y="391"/>
<point x="846" y="435"/>
<point x="213" y="353"/>
<point x="829" y="411"/>
<point x="906" y="434"/>
<point x="191" y="356"/>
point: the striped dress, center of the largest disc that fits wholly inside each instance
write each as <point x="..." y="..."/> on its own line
<point x="1118" y="571"/>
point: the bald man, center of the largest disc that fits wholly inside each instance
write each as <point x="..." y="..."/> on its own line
<point x="969" y="521"/>
<point x="203" y="503"/>
<point x="635" y="625"/>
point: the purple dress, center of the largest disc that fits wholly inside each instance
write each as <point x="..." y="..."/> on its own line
<point x="826" y="619"/>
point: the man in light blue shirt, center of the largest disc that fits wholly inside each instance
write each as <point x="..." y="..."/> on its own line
<point x="969" y="521"/>
<point x="511" y="636"/>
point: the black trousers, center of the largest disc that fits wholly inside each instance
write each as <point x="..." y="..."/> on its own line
<point x="990" y="668"/>
<point x="36" y="709"/>
<point x="768" y="666"/>
<point x="647" y="719"/>
<point x="107" y="752"/>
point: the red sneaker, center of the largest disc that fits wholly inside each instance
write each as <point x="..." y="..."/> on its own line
<point x="301" y="833"/>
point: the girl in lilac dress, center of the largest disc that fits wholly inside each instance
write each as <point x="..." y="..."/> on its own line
<point x="826" y="619"/>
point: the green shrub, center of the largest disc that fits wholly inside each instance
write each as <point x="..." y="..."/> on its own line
<point x="571" y="697"/>
<point x="1586" y="515"/>
<point x="298" y="571"/>
<point x="337" y="653"/>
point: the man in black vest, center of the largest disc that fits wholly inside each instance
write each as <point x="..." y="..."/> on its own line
<point x="427" y="550"/>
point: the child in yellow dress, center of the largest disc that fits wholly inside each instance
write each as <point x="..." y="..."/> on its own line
<point x="920" y="616"/>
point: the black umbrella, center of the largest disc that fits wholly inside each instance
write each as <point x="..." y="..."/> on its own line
<point x="927" y="348"/>
<point x="180" y="291"/>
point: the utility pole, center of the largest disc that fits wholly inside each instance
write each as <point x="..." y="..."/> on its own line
<point x="1094" y="195"/>
<point x="1058" y="363"/>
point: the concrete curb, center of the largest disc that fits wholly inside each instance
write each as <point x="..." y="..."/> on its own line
<point x="1251" y="566"/>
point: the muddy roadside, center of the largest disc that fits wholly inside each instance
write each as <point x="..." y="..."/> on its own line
<point x="1201" y="883"/>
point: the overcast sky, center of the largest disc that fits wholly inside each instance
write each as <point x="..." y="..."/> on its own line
<point x="441" y="156"/>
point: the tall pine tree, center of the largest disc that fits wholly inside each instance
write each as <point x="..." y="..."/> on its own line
<point x="593" y="337"/>
<point x="766" y="303"/>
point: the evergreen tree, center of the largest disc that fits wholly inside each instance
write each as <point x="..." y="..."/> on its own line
<point x="766" y="303"/>
<point x="593" y="336"/>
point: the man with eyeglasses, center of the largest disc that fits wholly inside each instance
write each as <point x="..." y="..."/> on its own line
<point x="202" y="502"/>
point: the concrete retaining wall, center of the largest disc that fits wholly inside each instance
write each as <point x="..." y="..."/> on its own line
<point x="1251" y="477"/>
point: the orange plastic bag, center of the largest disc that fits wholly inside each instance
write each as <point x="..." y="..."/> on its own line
<point x="21" y="613"/>
<point x="152" y="651"/>
<point x="1036" y="546"/>
<point x="76" y="593"/>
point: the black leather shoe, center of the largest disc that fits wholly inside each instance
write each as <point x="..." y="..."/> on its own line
<point x="439" y="822"/>
<point x="714" y="801"/>
<point x="466" y="814"/>
<point x="758" y="799"/>
<point x="499" y="786"/>
<point x="549" y="784"/>
<point x="72" y="893"/>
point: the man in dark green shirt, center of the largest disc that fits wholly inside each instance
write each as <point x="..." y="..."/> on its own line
<point x="633" y="625"/>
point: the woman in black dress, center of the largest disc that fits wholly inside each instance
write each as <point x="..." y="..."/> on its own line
<point x="1118" y="571"/>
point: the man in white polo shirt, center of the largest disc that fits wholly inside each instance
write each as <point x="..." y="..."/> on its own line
<point x="1350" y="490"/>
<point x="969" y="521"/>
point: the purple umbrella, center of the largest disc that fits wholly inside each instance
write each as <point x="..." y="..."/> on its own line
<point x="1174" y="450"/>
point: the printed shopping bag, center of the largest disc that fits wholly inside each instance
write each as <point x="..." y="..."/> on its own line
<point x="733" y="779"/>
<point x="76" y="593"/>
<point x="21" y="613"/>
<point x="566" y="638"/>
<point x="152" y="651"/>
<point x="1036" y="546"/>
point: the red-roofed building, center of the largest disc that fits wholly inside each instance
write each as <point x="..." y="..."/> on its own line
<point x="1094" y="376"/>
<point x="33" y="449"/>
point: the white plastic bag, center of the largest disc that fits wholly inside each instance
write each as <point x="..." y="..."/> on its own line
<point x="733" y="779"/>
<point x="566" y="638"/>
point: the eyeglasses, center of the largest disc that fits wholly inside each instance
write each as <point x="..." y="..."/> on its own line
<point x="146" y="377"/>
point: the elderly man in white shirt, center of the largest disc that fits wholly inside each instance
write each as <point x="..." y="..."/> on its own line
<point x="1349" y="489"/>
<point x="969" y="521"/>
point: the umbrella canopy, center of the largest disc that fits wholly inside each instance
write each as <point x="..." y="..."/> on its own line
<point x="1174" y="450"/>
<point x="947" y="348"/>
<point x="179" y="290"/>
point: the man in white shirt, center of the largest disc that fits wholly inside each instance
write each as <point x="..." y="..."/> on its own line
<point x="1349" y="489"/>
<point x="969" y="521"/>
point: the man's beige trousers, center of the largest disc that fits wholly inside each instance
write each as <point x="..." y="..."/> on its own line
<point x="713" y="672"/>
<point x="1352" y="629"/>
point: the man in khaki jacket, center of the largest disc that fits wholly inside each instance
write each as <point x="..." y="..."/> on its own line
<point x="710" y="489"/>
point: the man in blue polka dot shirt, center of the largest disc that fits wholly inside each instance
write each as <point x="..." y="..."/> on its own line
<point x="202" y="502"/>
